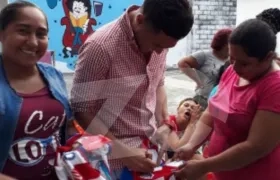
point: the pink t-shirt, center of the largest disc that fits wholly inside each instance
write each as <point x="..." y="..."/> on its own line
<point x="233" y="109"/>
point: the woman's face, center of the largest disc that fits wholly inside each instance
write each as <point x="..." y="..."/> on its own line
<point x="25" y="40"/>
<point x="249" y="68"/>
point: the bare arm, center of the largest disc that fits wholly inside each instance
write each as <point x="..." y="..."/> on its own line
<point x="261" y="141"/>
<point x="176" y="142"/>
<point x="202" y="132"/>
<point x="195" y="133"/>
<point x="204" y="128"/>
<point x="188" y="65"/>
<point x="4" y="177"/>
<point x="161" y="112"/>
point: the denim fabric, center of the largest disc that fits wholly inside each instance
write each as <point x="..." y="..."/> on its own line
<point x="10" y="105"/>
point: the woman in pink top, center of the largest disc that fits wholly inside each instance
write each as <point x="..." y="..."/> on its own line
<point x="244" y="115"/>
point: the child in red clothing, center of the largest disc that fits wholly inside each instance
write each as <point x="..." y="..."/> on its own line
<point x="188" y="113"/>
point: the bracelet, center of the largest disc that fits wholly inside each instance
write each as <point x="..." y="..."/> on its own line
<point x="172" y="123"/>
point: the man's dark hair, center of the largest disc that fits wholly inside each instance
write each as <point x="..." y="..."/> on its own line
<point x="9" y="13"/>
<point x="173" y="17"/>
<point x="256" y="37"/>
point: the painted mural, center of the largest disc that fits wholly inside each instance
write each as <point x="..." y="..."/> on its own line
<point x="72" y="21"/>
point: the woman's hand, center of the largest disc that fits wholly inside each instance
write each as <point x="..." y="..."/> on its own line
<point x="195" y="114"/>
<point x="191" y="170"/>
<point x="185" y="152"/>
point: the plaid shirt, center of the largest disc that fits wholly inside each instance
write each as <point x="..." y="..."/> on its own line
<point x="115" y="82"/>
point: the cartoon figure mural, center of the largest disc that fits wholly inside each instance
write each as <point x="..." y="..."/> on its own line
<point x="78" y="23"/>
<point x="72" y="21"/>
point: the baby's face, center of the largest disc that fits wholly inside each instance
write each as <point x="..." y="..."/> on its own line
<point x="184" y="113"/>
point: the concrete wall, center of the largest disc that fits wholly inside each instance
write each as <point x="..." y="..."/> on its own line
<point x="255" y="7"/>
<point x="210" y="16"/>
<point x="179" y="51"/>
<point x="3" y="3"/>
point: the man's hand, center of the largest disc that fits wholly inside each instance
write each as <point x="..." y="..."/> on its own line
<point x="139" y="161"/>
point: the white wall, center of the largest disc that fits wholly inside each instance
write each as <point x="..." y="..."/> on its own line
<point x="247" y="9"/>
<point x="176" y="53"/>
<point x="183" y="48"/>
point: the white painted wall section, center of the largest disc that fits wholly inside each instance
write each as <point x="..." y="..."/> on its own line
<point x="247" y="9"/>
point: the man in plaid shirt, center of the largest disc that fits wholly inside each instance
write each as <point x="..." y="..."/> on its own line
<point x="118" y="87"/>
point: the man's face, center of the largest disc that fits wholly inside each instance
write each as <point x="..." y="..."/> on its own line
<point x="151" y="40"/>
<point x="160" y="41"/>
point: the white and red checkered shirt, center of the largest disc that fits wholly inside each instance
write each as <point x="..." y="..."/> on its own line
<point x="113" y="73"/>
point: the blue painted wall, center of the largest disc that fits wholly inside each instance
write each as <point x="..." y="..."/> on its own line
<point x="66" y="38"/>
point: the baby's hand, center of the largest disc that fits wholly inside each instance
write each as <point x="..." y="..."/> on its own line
<point x="195" y="114"/>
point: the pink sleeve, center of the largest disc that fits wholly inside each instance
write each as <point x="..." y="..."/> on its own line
<point x="92" y="67"/>
<point x="269" y="94"/>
